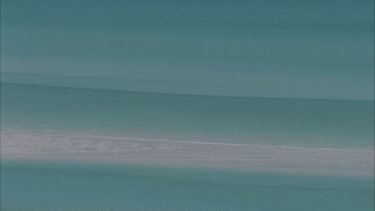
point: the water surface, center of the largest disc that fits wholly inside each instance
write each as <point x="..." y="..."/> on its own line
<point x="59" y="186"/>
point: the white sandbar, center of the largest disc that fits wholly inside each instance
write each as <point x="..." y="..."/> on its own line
<point x="261" y="158"/>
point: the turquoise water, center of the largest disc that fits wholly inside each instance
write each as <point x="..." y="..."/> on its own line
<point x="293" y="122"/>
<point x="295" y="73"/>
<point x="59" y="186"/>
<point x="261" y="72"/>
<point x="254" y="48"/>
<point x="268" y="121"/>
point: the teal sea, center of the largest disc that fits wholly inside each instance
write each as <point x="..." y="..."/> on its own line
<point x="263" y="121"/>
<point x="62" y="186"/>
<point x="284" y="73"/>
<point x="298" y="49"/>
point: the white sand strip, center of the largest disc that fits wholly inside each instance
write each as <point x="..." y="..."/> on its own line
<point x="287" y="159"/>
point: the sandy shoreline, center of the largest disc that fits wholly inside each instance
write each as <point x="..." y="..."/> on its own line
<point x="262" y="158"/>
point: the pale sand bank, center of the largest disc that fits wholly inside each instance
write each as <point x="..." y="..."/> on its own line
<point x="261" y="158"/>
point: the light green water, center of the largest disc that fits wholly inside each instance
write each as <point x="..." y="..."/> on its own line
<point x="58" y="186"/>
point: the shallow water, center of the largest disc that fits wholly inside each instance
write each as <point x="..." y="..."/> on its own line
<point x="297" y="49"/>
<point x="290" y="73"/>
<point x="63" y="186"/>
<point x="267" y="63"/>
<point x="292" y="122"/>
